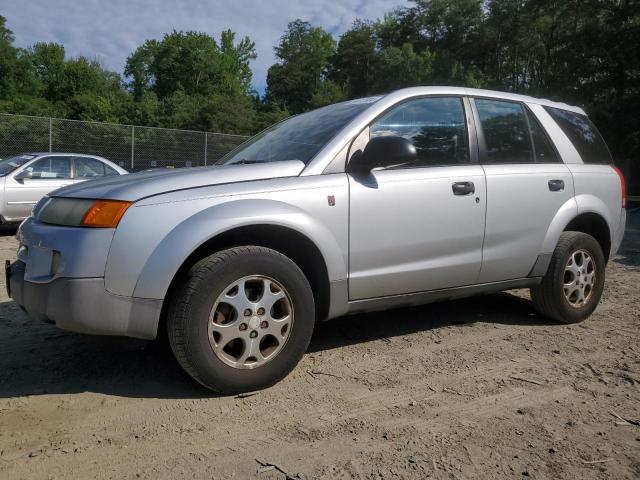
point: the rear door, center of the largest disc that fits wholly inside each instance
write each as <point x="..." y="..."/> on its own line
<point x="420" y="226"/>
<point x="47" y="174"/>
<point x="527" y="184"/>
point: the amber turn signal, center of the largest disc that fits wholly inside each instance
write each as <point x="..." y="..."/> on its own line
<point x="105" y="213"/>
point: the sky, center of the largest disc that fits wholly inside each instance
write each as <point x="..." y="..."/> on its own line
<point x="109" y="30"/>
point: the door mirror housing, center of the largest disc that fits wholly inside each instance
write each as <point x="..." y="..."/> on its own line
<point x="385" y="151"/>
<point x="22" y="175"/>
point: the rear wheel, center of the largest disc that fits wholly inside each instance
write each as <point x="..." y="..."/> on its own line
<point x="572" y="287"/>
<point x="242" y="319"/>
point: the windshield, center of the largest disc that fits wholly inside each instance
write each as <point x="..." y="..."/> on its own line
<point x="299" y="137"/>
<point x="8" y="165"/>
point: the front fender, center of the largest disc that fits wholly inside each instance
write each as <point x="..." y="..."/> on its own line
<point x="154" y="240"/>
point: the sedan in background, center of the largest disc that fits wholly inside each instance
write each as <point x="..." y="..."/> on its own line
<point x="26" y="178"/>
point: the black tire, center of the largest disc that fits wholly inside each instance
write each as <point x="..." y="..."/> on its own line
<point x="548" y="297"/>
<point x="191" y="305"/>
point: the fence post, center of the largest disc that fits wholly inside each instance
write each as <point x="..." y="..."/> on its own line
<point x="133" y="143"/>
<point x="205" y="148"/>
<point x="50" y="135"/>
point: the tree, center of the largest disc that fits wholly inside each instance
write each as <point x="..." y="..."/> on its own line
<point x="48" y="62"/>
<point x="193" y="63"/>
<point x="356" y="59"/>
<point x="8" y="60"/>
<point x="585" y="52"/>
<point x="303" y="53"/>
<point x="400" y="67"/>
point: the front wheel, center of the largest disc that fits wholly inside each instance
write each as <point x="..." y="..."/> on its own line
<point x="572" y="287"/>
<point x="242" y="319"/>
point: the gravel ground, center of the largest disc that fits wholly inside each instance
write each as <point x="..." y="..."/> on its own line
<point x="476" y="388"/>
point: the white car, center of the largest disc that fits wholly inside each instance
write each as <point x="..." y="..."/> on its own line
<point x="26" y="178"/>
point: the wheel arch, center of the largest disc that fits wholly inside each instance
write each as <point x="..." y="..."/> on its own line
<point x="285" y="240"/>
<point x="575" y="215"/>
<point x="593" y="224"/>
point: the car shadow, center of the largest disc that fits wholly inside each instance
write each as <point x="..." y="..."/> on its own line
<point x="500" y="308"/>
<point x="37" y="358"/>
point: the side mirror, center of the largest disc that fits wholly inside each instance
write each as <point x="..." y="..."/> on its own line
<point x="383" y="152"/>
<point x="22" y="175"/>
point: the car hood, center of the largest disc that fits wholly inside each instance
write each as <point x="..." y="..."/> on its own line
<point x="136" y="186"/>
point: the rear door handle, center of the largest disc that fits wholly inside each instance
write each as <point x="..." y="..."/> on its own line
<point x="556" y="185"/>
<point x="463" y="188"/>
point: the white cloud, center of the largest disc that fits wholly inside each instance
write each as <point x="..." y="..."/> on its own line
<point x="110" y="30"/>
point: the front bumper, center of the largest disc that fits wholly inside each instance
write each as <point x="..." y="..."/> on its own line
<point x="83" y="305"/>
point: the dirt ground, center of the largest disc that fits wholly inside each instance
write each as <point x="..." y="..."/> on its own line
<point x="476" y="388"/>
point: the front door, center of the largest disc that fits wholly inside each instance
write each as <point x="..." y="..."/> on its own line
<point x="47" y="174"/>
<point x="419" y="227"/>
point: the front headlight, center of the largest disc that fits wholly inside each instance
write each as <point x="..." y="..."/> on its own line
<point x="80" y="212"/>
<point x="38" y="206"/>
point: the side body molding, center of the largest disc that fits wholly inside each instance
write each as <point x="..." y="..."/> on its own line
<point x="143" y="260"/>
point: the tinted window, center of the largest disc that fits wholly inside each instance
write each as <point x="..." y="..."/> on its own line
<point x="435" y="126"/>
<point x="299" y="137"/>
<point x="505" y="131"/>
<point x="542" y="148"/>
<point x="89" y="167"/>
<point x="583" y="134"/>
<point x="51" y="167"/>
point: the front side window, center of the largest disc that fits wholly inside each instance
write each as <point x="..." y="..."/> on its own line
<point x="583" y="134"/>
<point x="436" y="127"/>
<point x="506" y="134"/>
<point x="300" y="137"/>
<point x="89" y="167"/>
<point x="51" y="167"/>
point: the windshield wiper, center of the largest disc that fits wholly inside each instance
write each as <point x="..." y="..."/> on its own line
<point x="244" y="161"/>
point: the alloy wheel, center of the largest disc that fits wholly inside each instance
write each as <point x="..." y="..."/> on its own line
<point x="250" y="322"/>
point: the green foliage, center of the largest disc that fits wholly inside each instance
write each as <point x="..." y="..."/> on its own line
<point x="303" y="53"/>
<point x="356" y="60"/>
<point x="402" y="67"/>
<point x="8" y="60"/>
<point x="193" y="63"/>
<point x="585" y="52"/>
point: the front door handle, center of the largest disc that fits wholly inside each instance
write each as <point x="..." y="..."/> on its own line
<point x="463" y="188"/>
<point x="556" y="185"/>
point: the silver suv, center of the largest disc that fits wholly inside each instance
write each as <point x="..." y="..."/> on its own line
<point x="423" y="194"/>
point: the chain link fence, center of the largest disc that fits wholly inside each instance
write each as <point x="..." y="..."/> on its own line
<point x="132" y="147"/>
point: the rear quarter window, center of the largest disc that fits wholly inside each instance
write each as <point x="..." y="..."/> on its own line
<point x="583" y="134"/>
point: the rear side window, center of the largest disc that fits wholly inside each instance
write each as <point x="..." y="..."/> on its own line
<point x="506" y="133"/>
<point x="583" y="134"/>
<point x="87" y="167"/>
<point x="543" y="150"/>
<point x="109" y="172"/>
